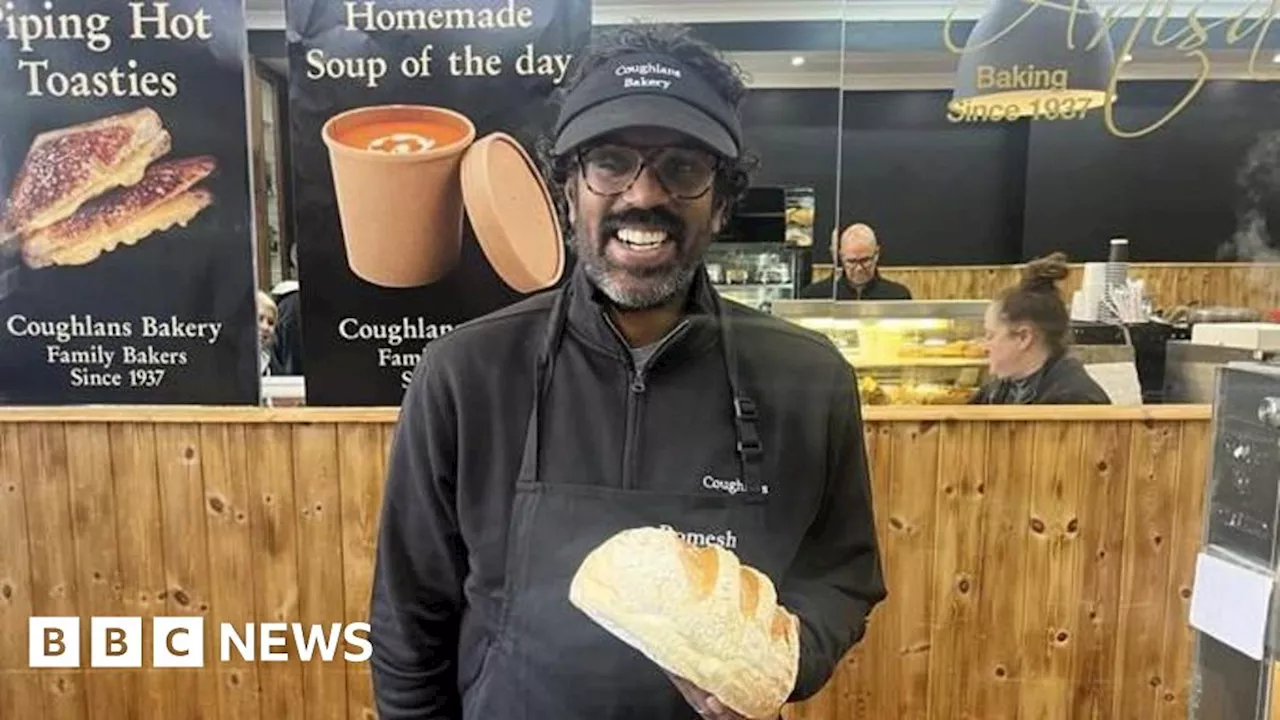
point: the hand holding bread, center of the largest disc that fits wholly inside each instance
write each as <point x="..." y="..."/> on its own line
<point x="704" y="703"/>
<point x="698" y="613"/>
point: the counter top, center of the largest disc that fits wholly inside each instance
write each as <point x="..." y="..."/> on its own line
<point x="384" y="415"/>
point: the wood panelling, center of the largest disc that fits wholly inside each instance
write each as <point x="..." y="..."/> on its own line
<point x="1169" y="284"/>
<point x="1039" y="565"/>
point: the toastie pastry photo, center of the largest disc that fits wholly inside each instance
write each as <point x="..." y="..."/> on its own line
<point x="87" y="189"/>
<point x="66" y="168"/>
<point x="165" y="197"/>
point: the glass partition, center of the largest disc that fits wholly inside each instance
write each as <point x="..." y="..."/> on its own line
<point x="792" y="58"/>
<point x="923" y="149"/>
<point x="794" y="67"/>
<point x="988" y="133"/>
<point x="1140" y="141"/>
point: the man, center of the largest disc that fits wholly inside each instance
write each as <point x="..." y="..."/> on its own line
<point x="858" y="253"/>
<point x="631" y="397"/>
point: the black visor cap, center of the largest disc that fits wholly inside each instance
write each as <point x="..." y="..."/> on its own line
<point x="647" y="90"/>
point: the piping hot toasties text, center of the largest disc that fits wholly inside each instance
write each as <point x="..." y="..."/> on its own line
<point x="41" y="25"/>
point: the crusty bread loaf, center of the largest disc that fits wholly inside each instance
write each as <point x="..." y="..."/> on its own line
<point x="696" y="612"/>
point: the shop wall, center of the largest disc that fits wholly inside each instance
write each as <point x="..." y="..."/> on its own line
<point x="1005" y="192"/>
<point x="936" y="192"/>
<point x="961" y="194"/>
<point x="285" y="148"/>
<point x="1176" y="193"/>
<point x="793" y="133"/>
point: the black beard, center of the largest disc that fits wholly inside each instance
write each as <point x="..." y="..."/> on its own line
<point x="661" y="284"/>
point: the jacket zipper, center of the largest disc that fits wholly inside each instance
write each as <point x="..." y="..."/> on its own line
<point x="635" y="397"/>
<point x="630" y="450"/>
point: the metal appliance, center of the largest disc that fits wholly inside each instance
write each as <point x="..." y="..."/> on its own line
<point x="1190" y="366"/>
<point x="1233" y="612"/>
<point x="1190" y="369"/>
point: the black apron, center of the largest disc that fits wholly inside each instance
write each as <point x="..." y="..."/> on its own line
<point x="549" y="661"/>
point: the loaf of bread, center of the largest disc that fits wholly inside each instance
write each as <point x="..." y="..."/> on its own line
<point x="696" y="612"/>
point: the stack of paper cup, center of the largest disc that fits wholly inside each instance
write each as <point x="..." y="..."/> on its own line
<point x="1117" y="273"/>
<point x="1093" y="289"/>
<point x="1081" y="310"/>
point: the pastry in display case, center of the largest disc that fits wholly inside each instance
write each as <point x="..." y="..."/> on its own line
<point x="754" y="274"/>
<point x="905" y="352"/>
<point x="751" y="261"/>
<point x="800" y="216"/>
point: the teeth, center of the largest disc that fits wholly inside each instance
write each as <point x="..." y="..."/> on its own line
<point x="641" y="238"/>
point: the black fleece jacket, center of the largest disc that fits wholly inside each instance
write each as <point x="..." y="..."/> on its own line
<point x="1062" y="380"/>
<point x="441" y="546"/>
<point x="879" y="288"/>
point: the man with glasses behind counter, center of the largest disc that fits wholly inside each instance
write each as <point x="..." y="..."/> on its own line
<point x="859" y="254"/>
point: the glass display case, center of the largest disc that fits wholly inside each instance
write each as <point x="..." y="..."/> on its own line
<point x="801" y="212"/>
<point x="905" y="352"/>
<point x="754" y="274"/>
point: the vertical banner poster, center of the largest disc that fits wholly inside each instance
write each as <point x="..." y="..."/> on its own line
<point x="415" y="126"/>
<point x="126" y="260"/>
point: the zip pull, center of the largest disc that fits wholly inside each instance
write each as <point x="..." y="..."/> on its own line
<point x="637" y="383"/>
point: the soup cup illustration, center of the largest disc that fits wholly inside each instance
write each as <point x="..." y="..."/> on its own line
<point x="406" y="177"/>
<point x="396" y="175"/>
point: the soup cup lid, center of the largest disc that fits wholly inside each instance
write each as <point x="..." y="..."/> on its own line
<point x="512" y="214"/>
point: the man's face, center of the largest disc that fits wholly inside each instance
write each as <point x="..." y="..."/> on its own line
<point x="859" y="256"/>
<point x="642" y="244"/>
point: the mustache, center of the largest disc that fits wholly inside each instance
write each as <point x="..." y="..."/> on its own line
<point x="656" y="218"/>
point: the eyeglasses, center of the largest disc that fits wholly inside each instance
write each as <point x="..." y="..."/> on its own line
<point x="685" y="173"/>
<point x="860" y="261"/>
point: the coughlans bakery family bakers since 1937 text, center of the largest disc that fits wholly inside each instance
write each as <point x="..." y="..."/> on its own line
<point x="70" y="344"/>
<point x="398" y="345"/>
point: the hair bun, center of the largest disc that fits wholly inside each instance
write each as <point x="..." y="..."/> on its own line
<point x="1043" y="274"/>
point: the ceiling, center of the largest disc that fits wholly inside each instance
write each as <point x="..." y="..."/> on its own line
<point x="873" y="70"/>
<point x="269" y="14"/>
<point x="900" y="71"/>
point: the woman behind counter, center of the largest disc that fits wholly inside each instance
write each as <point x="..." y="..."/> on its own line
<point x="1027" y="330"/>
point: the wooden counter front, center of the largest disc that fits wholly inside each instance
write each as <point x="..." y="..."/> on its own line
<point x="1251" y="285"/>
<point x="1039" y="559"/>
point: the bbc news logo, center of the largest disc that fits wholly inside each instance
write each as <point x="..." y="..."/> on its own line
<point x="179" y="642"/>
